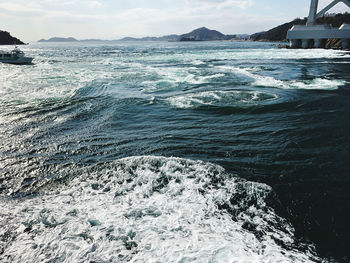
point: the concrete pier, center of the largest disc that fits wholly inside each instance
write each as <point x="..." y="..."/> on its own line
<point x="319" y="43"/>
<point x="345" y="43"/>
<point x="306" y="43"/>
<point x="315" y="36"/>
<point x="319" y="34"/>
<point x="295" y="43"/>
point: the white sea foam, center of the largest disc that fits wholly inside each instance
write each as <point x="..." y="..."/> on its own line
<point x="285" y="54"/>
<point x="318" y="83"/>
<point x="252" y="54"/>
<point x="220" y="98"/>
<point x="169" y="78"/>
<point x="251" y="74"/>
<point x="198" y="62"/>
<point x="148" y="209"/>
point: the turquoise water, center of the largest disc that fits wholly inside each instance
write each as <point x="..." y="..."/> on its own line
<point x="175" y="152"/>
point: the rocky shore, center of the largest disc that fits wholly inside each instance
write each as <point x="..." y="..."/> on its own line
<point x="7" y="39"/>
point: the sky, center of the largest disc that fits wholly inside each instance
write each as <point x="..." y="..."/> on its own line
<point x="31" y="20"/>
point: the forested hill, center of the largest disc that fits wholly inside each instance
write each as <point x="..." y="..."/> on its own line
<point x="202" y="34"/>
<point x="279" y="33"/>
<point x="7" y="39"/>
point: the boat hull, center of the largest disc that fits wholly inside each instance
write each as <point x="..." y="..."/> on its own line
<point x="18" y="61"/>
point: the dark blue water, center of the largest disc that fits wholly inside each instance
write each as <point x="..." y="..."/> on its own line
<point x="234" y="151"/>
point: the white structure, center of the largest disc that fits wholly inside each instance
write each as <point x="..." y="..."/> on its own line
<point x="315" y="36"/>
<point x="15" y="56"/>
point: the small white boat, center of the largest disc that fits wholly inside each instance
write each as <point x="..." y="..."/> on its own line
<point x="16" y="56"/>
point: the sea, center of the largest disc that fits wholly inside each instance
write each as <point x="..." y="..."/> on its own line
<point x="175" y="152"/>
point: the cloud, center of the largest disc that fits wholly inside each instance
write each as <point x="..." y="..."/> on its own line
<point x="38" y="12"/>
<point x="19" y="8"/>
<point x="94" y="3"/>
<point x="155" y="22"/>
<point x="218" y="4"/>
<point x="243" y="4"/>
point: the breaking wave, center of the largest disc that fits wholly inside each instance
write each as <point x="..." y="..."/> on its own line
<point x="249" y="74"/>
<point x="220" y="98"/>
<point x="148" y="209"/>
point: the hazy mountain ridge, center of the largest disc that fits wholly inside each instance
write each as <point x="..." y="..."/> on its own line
<point x="172" y="37"/>
<point x="200" y="34"/>
<point x="278" y="33"/>
<point x="59" y="39"/>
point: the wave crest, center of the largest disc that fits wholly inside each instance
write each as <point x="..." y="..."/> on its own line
<point x="220" y="99"/>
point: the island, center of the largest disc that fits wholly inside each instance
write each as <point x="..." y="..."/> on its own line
<point x="205" y="34"/>
<point x="199" y="34"/>
<point x="59" y="39"/>
<point x="7" y="39"/>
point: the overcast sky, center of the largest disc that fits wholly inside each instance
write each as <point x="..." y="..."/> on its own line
<point x="31" y="20"/>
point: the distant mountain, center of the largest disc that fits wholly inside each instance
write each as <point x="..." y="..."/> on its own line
<point x="205" y="34"/>
<point x="130" y="39"/>
<point x="202" y="34"/>
<point x="91" y="40"/>
<point x="199" y="34"/>
<point x="256" y="36"/>
<point x="163" y="38"/>
<point x="172" y="37"/>
<point x="279" y="33"/>
<point x="59" y="39"/>
<point x="7" y="39"/>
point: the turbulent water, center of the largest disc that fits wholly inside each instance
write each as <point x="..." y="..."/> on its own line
<point x="175" y="152"/>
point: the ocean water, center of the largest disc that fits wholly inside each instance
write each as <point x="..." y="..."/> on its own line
<point x="175" y="152"/>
